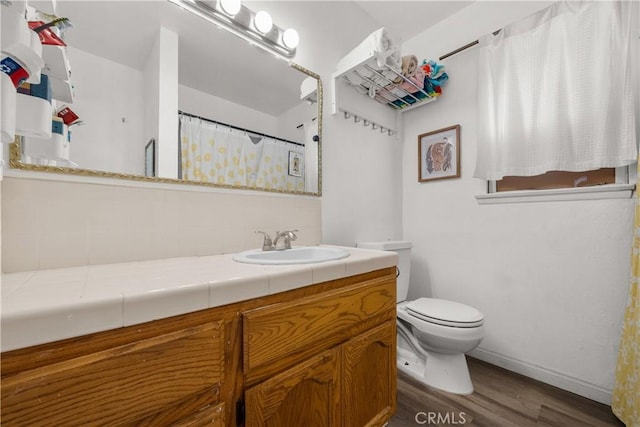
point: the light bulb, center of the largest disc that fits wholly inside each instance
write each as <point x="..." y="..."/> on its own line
<point x="231" y="7"/>
<point x="263" y="22"/>
<point x="290" y="38"/>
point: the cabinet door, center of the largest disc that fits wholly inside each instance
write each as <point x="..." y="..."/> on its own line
<point x="213" y="416"/>
<point x="120" y="385"/>
<point x="306" y="395"/>
<point x="369" y="379"/>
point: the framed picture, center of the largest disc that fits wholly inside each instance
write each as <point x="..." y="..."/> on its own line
<point x="150" y="158"/>
<point x="295" y="164"/>
<point x="439" y="154"/>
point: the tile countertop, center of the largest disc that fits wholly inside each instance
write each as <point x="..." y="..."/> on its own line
<point x="49" y="305"/>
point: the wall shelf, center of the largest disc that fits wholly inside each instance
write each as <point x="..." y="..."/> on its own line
<point x="21" y="44"/>
<point x="62" y="90"/>
<point x="370" y="75"/>
<point x="33" y="116"/>
<point x="56" y="63"/>
<point x="382" y="86"/>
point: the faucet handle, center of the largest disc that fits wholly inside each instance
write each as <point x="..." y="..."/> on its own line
<point x="287" y="236"/>
<point x="267" y="244"/>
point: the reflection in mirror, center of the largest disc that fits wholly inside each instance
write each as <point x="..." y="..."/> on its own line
<point x="220" y="112"/>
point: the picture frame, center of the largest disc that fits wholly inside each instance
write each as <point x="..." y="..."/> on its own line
<point x="439" y="154"/>
<point x="150" y="158"/>
<point x="295" y="164"/>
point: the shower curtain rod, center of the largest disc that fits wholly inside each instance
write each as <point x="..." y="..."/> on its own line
<point x="184" y="113"/>
<point x="465" y="47"/>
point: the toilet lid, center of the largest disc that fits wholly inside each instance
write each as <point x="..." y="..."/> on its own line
<point x="444" y="312"/>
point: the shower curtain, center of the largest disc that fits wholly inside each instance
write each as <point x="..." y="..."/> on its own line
<point x="626" y="391"/>
<point x="222" y="155"/>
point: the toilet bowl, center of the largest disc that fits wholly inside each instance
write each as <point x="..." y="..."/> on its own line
<point x="435" y="348"/>
<point x="433" y="334"/>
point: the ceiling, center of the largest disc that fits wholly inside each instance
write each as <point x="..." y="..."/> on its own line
<point x="406" y="19"/>
<point x="125" y="31"/>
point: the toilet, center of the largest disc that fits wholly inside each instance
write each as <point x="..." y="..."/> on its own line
<point x="433" y="334"/>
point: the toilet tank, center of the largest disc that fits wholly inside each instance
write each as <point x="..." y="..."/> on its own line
<point x="403" y="249"/>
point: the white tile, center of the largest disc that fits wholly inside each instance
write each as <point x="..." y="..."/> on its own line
<point x="237" y="289"/>
<point x="60" y="249"/>
<point x="108" y="247"/>
<point x="53" y="304"/>
<point x="19" y="250"/>
<point x="283" y="279"/>
<point x="26" y="328"/>
<point x="162" y="303"/>
<point x="330" y="270"/>
<point x="10" y="282"/>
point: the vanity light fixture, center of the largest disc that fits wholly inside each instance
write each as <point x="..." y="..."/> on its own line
<point x="231" y="7"/>
<point x="256" y="28"/>
<point x="263" y="22"/>
<point x="290" y="38"/>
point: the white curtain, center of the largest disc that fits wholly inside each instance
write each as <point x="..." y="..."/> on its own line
<point x="226" y="156"/>
<point x="311" y="157"/>
<point x="555" y="91"/>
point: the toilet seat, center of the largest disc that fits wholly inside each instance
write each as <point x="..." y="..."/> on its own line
<point x="445" y="313"/>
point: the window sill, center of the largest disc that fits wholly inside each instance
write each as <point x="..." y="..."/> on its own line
<point x="613" y="191"/>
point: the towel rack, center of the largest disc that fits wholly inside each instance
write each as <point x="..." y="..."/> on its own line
<point x="370" y="82"/>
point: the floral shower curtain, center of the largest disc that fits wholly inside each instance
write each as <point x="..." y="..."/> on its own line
<point x="222" y="155"/>
<point x="626" y="391"/>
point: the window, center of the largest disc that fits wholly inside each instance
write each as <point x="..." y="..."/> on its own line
<point x="541" y="114"/>
<point x="557" y="179"/>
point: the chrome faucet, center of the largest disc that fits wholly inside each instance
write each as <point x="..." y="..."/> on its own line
<point x="287" y="236"/>
<point x="267" y="244"/>
<point x="281" y="242"/>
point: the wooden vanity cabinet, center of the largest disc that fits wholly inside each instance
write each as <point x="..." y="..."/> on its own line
<point x="321" y="355"/>
<point x="324" y="360"/>
<point x="149" y="376"/>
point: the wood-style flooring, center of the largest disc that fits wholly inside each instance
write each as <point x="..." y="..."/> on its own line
<point x="501" y="398"/>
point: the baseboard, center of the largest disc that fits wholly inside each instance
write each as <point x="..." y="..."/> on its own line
<point x="557" y="379"/>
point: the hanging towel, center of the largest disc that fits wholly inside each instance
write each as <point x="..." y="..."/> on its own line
<point x="379" y="46"/>
<point x="384" y="46"/>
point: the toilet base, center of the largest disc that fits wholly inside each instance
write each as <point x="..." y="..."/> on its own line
<point x="447" y="372"/>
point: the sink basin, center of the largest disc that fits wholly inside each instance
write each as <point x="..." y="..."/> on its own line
<point x="295" y="255"/>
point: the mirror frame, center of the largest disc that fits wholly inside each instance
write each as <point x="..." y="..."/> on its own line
<point x="15" y="161"/>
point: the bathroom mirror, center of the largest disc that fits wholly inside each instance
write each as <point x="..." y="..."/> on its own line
<point x="122" y="54"/>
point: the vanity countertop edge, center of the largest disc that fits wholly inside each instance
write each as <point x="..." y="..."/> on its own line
<point x="49" y="305"/>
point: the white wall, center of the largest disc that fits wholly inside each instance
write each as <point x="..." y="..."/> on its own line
<point x="361" y="183"/>
<point x="167" y="149"/>
<point x="552" y="277"/>
<point x="289" y="121"/>
<point x="109" y="100"/>
<point x="212" y="107"/>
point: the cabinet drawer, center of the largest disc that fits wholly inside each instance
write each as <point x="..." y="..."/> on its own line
<point x="120" y="384"/>
<point x="282" y="334"/>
